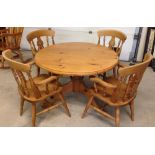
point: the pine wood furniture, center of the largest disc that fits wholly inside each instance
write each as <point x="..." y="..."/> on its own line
<point x="40" y="39"/>
<point x="34" y="89"/>
<point x="113" y="39"/>
<point x="117" y="92"/>
<point x="11" y="39"/>
<point x="76" y="60"/>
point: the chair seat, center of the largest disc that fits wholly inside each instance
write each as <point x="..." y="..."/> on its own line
<point x="52" y="87"/>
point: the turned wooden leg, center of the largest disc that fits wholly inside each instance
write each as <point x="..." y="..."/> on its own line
<point x="49" y="73"/>
<point x="64" y="104"/>
<point x="115" y="71"/>
<point x="87" y="106"/>
<point x="103" y="76"/>
<point x="33" y="114"/>
<point x="132" y="110"/>
<point x="21" y="105"/>
<point x="117" y="116"/>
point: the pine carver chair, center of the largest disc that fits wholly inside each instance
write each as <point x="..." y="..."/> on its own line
<point x="35" y="89"/>
<point x="117" y="92"/>
<point x="40" y="39"/>
<point x="114" y="40"/>
<point x="10" y="38"/>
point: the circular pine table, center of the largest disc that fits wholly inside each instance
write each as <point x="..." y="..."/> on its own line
<point x="75" y="60"/>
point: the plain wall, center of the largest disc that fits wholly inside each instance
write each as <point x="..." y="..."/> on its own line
<point x="81" y="34"/>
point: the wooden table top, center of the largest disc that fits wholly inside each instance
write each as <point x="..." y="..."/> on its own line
<point x="76" y="59"/>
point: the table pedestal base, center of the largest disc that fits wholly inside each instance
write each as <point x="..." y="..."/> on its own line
<point x="75" y="85"/>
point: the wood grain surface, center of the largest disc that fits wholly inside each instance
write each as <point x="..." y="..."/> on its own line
<point x="76" y="59"/>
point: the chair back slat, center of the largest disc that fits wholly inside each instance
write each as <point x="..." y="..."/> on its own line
<point x="53" y="40"/>
<point x="15" y="30"/>
<point x="112" y="42"/>
<point x="47" y="40"/>
<point x="19" y="83"/>
<point x="104" y="40"/>
<point x="33" y="48"/>
<point x="40" y="43"/>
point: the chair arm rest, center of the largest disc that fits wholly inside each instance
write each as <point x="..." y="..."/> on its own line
<point x="52" y="78"/>
<point x="103" y="83"/>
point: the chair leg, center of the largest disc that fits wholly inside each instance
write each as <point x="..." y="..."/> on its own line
<point x="87" y="106"/>
<point x="38" y="71"/>
<point x="21" y="57"/>
<point x="132" y="110"/>
<point x="2" y="60"/>
<point x="64" y="104"/>
<point x="103" y="76"/>
<point x="21" y="105"/>
<point x="115" y="71"/>
<point x="19" y="53"/>
<point x="49" y="73"/>
<point x="117" y="116"/>
<point x="33" y="114"/>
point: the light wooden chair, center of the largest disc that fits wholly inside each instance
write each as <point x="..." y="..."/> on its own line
<point x="113" y="39"/>
<point x="117" y="92"/>
<point x="11" y="39"/>
<point x="34" y="89"/>
<point x="2" y="31"/>
<point x="40" y="39"/>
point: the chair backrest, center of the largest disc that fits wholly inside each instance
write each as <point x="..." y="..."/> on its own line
<point x="115" y="39"/>
<point x="40" y="39"/>
<point x="130" y="78"/>
<point x="22" y="74"/>
<point x="15" y="29"/>
<point x="11" y="38"/>
<point x="2" y="31"/>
